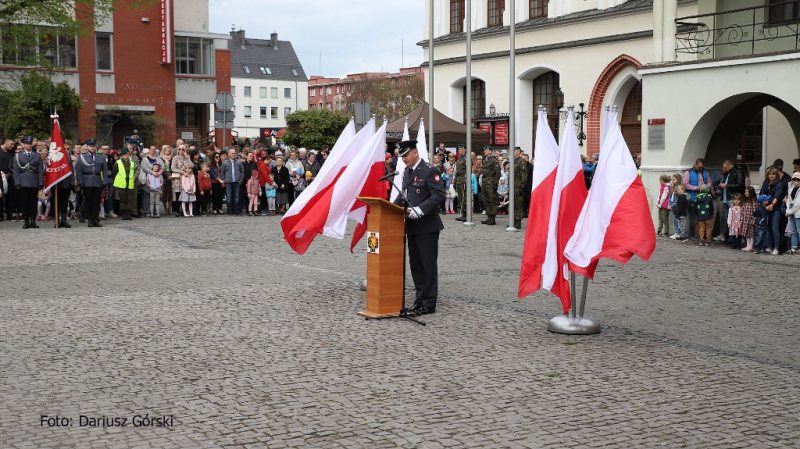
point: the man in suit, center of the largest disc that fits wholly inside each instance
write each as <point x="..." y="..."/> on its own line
<point x="422" y="185"/>
<point x="231" y="177"/>
<point x="91" y="171"/>
<point x="28" y="170"/>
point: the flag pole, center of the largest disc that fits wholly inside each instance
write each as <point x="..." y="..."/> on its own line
<point x="512" y="104"/>
<point x="57" y="221"/>
<point x="468" y="118"/>
<point x="431" y="143"/>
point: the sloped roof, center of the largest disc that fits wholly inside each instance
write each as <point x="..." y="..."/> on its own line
<point x="259" y="52"/>
<point x="445" y="129"/>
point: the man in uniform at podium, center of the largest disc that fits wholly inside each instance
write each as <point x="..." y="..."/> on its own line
<point x="422" y="185"/>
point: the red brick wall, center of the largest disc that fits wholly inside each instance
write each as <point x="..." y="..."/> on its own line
<point x="596" y="100"/>
<point x="140" y="77"/>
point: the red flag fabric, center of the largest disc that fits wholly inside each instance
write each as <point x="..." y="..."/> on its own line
<point x="615" y="222"/>
<point x="57" y="166"/>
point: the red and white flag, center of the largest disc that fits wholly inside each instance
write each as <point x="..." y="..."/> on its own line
<point x="350" y="171"/>
<point x="296" y="231"/>
<point x="569" y="194"/>
<point x="539" y="256"/>
<point x="615" y="222"/>
<point x="58" y="164"/>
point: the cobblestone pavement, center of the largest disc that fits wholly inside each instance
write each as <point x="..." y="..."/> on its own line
<point x="215" y="322"/>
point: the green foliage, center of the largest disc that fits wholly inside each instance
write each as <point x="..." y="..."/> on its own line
<point x="148" y="124"/>
<point x="26" y="110"/>
<point x="314" y="127"/>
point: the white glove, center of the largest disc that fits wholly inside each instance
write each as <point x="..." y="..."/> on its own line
<point x="415" y="212"/>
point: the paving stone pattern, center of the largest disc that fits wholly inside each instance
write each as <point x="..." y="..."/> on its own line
<point x="216" y="322"/>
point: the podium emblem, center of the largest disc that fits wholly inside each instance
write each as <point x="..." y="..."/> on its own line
<point x="373" y="243"/>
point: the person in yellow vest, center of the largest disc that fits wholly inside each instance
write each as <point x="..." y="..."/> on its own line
<point x="124" y="174"/>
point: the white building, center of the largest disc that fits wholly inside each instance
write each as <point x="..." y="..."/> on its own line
<point x="723" y="83"/>
<point x="267" y="82"/>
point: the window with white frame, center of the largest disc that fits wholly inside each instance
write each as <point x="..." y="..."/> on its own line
<point x="246" y="91"/>
<point x="273" y="112"/>
<point x="194" y="56"/>
<point x="287" y="92"/>
<point x="247" y="111"/>
<point x="263" y="113"/>
<point x="262" y="92"/>
<point x="273" y="92"/>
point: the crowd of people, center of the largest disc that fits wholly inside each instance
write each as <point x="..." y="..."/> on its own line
<point x="722" y="206"/>
<point x="138" y="181"/>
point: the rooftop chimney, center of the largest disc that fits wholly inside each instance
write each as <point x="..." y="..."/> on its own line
<point x="239" y="36"/>
<point x="274" y="39"/>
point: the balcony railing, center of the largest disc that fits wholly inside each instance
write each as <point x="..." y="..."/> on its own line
<point x="770" y="28"/>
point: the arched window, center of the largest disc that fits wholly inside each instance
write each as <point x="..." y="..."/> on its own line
<point x="478" y="99"/>
<point x="544" y="91"/>
<point x="631" y="123"/>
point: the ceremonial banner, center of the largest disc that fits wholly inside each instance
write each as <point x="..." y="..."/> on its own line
<point x="57" y="166"/>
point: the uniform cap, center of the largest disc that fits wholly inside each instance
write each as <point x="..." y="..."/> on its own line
<point x="406" y="146"/>
<point x="91" y="142"/>
<point x="124" y="150"/>
<point x="136" y="131"/>
<point x="487" y="147"/>
<point x="27" y="140"/>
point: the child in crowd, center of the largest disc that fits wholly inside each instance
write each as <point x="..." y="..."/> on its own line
<point x="155" y="183"/>
<point x="253" y="189"/>
<point x="502" y="193"/>
<point x="681" y="209"/>
<point x="793" y="211"/>
<point x="270" y="191"/>
<point x="204" y="187"/>
<point x="663" y="206"/>
<point x="449" y="192"/>
<point x="44" y="203"/>
<point x="748" y="228"/>
<point x="298" y="181"/>
<point x="761" y="223"/>
<point x="705" y="214"/>
<point x="735" y="222"/>
<point x="673" y="202"/>
<point x="188" y="191"/>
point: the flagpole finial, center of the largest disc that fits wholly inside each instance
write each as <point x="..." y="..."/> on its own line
<point x="406" y="119"/>
<point x="385" y="119"/>
<point x="608" y="108"/>
<point x="615" y="108"/>
<point x="571" y="107"/>
<point x="421" y="120"/>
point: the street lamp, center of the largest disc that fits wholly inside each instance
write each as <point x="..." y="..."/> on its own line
<point x="50" y="62"/>
<point x="492" y="109"/>
<point x="559" y="99"/>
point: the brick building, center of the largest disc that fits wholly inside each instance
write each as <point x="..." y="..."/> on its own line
<point x="385" y="90"/>
<point x="155" y="66"/>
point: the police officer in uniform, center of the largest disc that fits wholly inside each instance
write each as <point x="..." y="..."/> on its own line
<point x="91" y="170"/>
<point x="422" y="185"/>
<point x="491" y="177"/>
<point x="518" y="190"/>
<point x="28" y="171"/>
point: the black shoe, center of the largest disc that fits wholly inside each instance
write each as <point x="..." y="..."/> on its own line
<point x="91" y="224"/>
<point x="97" y="224"/>
<point x="27" y="224"/>
<point x="33" y="224"/>
<point x="461" y="219"/>
<point x="64" y="224"/>
<point x="415" y="309"/>
<point x="426" y="311"/>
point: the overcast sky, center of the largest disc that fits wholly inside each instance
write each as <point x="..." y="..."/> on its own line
<point x="353" y="36"/>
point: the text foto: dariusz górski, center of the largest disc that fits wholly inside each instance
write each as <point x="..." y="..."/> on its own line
<point x="107" y="421"/>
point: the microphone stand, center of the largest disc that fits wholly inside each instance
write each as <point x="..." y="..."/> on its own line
<point x="403" y="312"/>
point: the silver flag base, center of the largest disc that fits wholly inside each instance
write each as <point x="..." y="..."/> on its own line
<point x="363" y="285"/>
<point x="572" y="325"/>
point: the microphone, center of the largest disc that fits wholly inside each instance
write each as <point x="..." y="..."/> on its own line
<point x="390" y="175"/>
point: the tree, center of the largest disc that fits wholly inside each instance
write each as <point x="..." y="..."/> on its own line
<point x="149" y="125"/>
<point x="25" y="110"/>
<point x="314" y="127"/>
<point x="388" y="96"/>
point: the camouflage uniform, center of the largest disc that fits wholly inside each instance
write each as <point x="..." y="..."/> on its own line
<point x="491" y="177"/>
<point x="461" y="186"/>
<point x="520" y="180"/>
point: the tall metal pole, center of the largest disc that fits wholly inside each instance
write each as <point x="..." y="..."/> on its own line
<point x="468" y="118"/>
<point x="431" y="143"/>
<point x="512" y="106"/>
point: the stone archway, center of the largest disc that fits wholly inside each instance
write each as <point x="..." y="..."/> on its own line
<point x="599" y="91"/>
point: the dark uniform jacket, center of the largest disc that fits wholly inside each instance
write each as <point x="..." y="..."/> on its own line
<point x="91" y="171"/>
<point x="423" y="188"/>
<point x="28" y="170"/>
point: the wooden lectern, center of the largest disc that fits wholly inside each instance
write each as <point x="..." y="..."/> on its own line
<point x="385" y="258"/>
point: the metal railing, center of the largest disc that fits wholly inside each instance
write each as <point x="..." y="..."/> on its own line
<point x="770" y="28"/>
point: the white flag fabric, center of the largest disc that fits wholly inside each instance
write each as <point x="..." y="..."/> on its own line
<point x="422" y="143"/>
